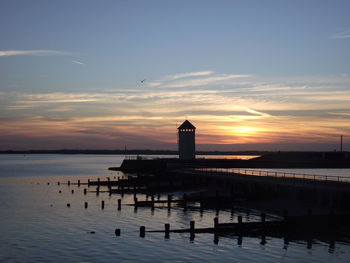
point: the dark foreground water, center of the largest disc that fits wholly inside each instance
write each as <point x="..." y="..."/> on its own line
<point x="37" y="226"/>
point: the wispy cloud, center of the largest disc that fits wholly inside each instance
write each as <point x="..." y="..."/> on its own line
<point x="216" y="79"/>
<point x="40" y="52"/>
<point x="262" y="114"/>
<point x="342" y="35"/>
<point x="78" y="62"/>
<point x="191" y="74"/>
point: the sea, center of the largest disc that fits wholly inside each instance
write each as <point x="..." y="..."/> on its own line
<point x="37" y="225"/>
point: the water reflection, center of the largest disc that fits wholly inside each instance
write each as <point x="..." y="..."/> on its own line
<point x="37" y="224"/>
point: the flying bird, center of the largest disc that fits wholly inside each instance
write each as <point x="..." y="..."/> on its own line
<point x="143" y="81"/>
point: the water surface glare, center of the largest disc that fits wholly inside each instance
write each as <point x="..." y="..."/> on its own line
<point x="37" y="226"/>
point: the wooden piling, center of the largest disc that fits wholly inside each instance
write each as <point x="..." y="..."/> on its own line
<point x="216" y="222"/>
<point x="86" y="204"/>
<point x="119" y="204"/>
<point x="239" y="219"/>
<point x="68" y="205"/>
<point x="142" y="231"/>
<point x="216" y="238"/>
<point x="185" y="200"/>
<point x="85" y="191"/>
<point x="97" y="190"/>
<point x="169" y="201"/>
<point x="78" y="182"/>
<point x="72" y="191"/>
<point x="68" y="182"/>
<point x="192" y="223"/>
<point x="152" y="200"/>
<point x="167" y="230"/>
<point x="135" y="200"/>
<point x="103" y="204"/>
<point x="117" y="232"/>
<point x="58" y="183"/>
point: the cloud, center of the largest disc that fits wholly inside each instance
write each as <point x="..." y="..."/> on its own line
<point x="342" y="35"/>
<point x="42" y="52"/>
<point x="224" y="109"/>
<point x="262" y="114"/>
<point x="78" y="62"/>
<point x="191" y="74"/>
<point x="216" y="79"/>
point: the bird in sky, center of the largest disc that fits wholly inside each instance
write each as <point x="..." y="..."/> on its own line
<point x="143" y="81"/>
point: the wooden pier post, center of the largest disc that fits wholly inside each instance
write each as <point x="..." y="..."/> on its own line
<point x="167" y="230"/>
<point x="98" y="181"/>
<point x="201" y="204"/>
<point x="78" y="182"/>
<point x="216" y="222"/>
<point x="135" y="200"/>
<point x="239" y="219"/>
<point x="216" y="238"/>
<point x="119" y="204"/>
<point x="97" y="190"/>
<point x="68" y="182"/>
<point x="169" y="201"/>
<point x="88" y="182"/>
<point x="192" y="223"/>
<point x="86" y="204"/>
<point x="142" y="231"/>
<point x="68" y="205"/>
<point x="102" y="204"/>
<point x="152" y="200"/>
<point x="185" y="200"/>
<point x="117" y="232"/>
<point x="85" y="191"/>
<point x="58" y="183"/>
<point x="72" y="191"/>
<point x="239" y="240"/>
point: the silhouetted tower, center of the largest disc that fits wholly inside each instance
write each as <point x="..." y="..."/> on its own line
<point x="187" y="141"/>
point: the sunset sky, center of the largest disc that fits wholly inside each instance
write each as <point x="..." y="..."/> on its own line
<point x="250" y="75"/>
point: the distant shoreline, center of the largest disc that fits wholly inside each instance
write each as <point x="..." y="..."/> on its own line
<point x="128" y="152"/>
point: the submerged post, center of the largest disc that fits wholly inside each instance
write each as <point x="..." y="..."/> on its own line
<point x="86" y="204"/>
<point x="119" y="204"/>
<point x="117" y="232"/>
<point x="167" y="230"/>
<point x="103" y="204"/>
<point x="142" y="231"/>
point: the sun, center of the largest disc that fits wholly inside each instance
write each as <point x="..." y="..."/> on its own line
<point x="243" y="131"/>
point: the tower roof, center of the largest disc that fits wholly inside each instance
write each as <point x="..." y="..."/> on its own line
<point x="186" y="125"/>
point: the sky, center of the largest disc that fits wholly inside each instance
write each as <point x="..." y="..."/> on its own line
<point x="250" y="75"/>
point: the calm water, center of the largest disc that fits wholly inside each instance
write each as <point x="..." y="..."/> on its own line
<point x="36" y="224"/>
